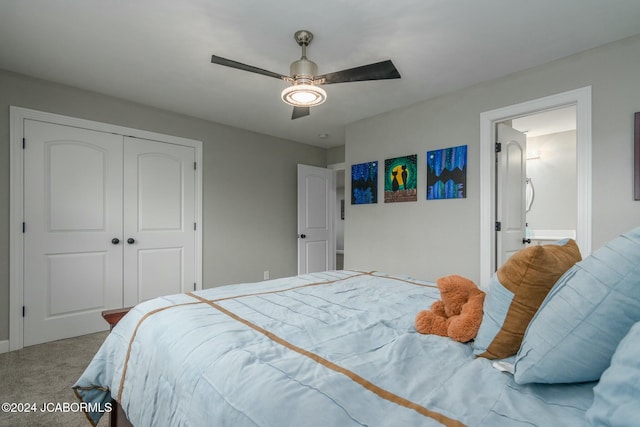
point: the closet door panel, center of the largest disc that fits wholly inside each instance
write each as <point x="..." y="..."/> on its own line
<point x="160" y="191"/>
<point x="159" y="217"/>
<point x="73" y="210"/>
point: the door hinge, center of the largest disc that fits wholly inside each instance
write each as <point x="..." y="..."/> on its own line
<point x="23" y="311"/>
<point x="24" y="227"/>
<point x="195" y="165"/>
<point x="498" y="147"/>
<point x="24" y="143"/>
<point x="498" y="226"/>
<point x="195" y="226"/>
<point x="194" y="286"/>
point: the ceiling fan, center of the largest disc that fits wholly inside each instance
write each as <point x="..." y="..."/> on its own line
<point x="305" y="90"/>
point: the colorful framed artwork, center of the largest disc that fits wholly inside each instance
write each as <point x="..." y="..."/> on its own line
<point x="401" y="179"/>
<point x="364" y="183"/>
<point x="447" y="173"/>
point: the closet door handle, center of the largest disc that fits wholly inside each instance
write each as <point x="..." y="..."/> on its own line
<point x="115" y="240"/>
<point x="131" y="240"/>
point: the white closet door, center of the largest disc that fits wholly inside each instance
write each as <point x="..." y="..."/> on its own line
<point x="159" y="217"/>
<point x="73" y="210"/>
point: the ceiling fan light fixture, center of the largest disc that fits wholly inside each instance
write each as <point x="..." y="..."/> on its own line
<point x="305" y="91"/>
<point x="304" y="95"/>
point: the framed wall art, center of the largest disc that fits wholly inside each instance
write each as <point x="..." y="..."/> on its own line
<point x="447" y="173"/>
<point x="364" y="183"/>
<point x="401" y="179"/>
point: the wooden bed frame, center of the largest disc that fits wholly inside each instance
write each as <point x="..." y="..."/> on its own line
<point x="117" y="417"/>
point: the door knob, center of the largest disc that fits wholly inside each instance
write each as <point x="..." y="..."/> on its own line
<point x="303" y="236"/>
<point x="131" y="240"/>
<point x="525" y="240"/>
<point x="115" y="240"/>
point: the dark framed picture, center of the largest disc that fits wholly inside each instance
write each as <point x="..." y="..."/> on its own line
<point x="636" y="158"/>
<point x="364" y="183"/>
<point x="447" y="173"/>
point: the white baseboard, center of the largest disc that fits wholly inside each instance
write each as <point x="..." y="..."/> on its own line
<point x="4" y="346"/>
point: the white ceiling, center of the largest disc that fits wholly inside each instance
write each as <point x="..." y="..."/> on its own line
<point x="547" y="122"/>
<point x="157" y="52"/>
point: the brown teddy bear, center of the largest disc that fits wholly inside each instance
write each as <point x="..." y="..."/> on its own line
<point x="458" y="315"/>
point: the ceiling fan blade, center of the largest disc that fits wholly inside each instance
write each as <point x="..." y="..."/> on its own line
<point x="240" y="66"/>
<point x="378" y="71"/>
<point x="299" y="112"/>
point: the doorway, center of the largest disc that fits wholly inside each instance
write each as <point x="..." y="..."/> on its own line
<point x="321" y="218"/>
<point x="581" y="99"/>
<point x="316" y="237"/>
<point x="339" y="180"/>
<point x="551" y="204"/>
<point x="536" y="180"/>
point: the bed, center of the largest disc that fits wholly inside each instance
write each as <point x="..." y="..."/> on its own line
<point x="339" y="348"/>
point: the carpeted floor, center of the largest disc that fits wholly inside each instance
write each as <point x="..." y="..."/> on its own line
<point x="43" y="374"/>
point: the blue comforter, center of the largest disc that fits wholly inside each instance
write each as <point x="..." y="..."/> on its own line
<point x="326" y="349"/>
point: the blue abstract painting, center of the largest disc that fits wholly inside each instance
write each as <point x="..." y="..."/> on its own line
<point x="364" y="183"/>
<point x="447" y="173"/>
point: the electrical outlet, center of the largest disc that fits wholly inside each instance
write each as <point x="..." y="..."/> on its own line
<point x="266" y="275"/>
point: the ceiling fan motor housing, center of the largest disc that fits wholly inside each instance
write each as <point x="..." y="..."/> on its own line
<point x="303" y="70"/>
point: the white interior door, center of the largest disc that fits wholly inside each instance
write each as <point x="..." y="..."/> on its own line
<point x="73" y="210"/>
<point x="511" y="192"/>
<point x="316" y="195"/>
<point x="159" y="220"/>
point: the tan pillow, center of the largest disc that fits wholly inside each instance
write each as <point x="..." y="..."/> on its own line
<point x="516" y="292"/>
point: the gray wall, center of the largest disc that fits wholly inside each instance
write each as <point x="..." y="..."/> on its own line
<point x="335" y="155"/>
<point x="429" y="239"/>
<point x="249" y="181"/>
<point x="554" y="179"/>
